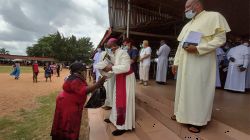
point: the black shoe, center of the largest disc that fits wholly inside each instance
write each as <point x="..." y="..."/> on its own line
<point x="107" y="121"/>
<point x="163" y="83"/>
<point x="160" y="83"/>
<point x="118" y="132"/>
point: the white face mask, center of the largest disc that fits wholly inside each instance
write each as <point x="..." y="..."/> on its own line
<point x="125" y="48"/>
<point x="108" y="50"/>
<point x="190" y="14"/>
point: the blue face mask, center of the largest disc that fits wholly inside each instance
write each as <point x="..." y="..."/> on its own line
<point x="190" y="14"/>
<point x="108" y="50"/>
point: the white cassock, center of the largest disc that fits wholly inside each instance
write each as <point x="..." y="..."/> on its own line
<point x="109" y="84"/>
<point x="236" y="79"/>
<point x="122" y="65"/>
<point x="219" y="57"/>
<point x="96" y="60"/>
<point x="162" y="63"/>
<point x="248" y="70"/>
<point x="195" y="86"/>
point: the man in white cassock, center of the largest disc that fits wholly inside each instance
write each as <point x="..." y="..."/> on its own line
<point x="196" y="65"/>
<point x="105" y="59"/>
<point x="123" y="108"/>
<point x="219" y="57"/>
<point x="96" y="60"/>
<point x="162" y="63"/>
<point x="248" y="68"/>
<point x="236" y="74"/>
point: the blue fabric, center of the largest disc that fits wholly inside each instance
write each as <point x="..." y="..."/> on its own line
<point x="48" y="70"/>
<point x="133" y="53"/>
<point x="16" y="72"/>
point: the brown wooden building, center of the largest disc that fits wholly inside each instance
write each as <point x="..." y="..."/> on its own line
<point x="163" y="19"/>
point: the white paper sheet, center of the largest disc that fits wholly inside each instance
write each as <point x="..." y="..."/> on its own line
<point x="194" y="37"/>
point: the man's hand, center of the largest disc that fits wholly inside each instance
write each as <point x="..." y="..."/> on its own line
<point x="232" y="59"/>
<point x="242" y="69"/>
<point x="108" y="68"/>
<point x="191" y="49"/>
<point x="141" y="59"/>
<point x="174" y="69"/>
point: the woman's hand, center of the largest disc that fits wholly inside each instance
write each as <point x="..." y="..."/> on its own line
<point x="101" y="81"/>
<point x="98" y="84"/>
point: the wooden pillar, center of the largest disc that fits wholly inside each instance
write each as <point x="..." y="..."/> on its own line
<point x="128" y="19"/>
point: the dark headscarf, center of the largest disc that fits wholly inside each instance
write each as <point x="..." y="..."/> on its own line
<point x="77" y="67"/>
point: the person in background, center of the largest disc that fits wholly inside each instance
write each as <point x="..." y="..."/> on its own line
<point x="133" y="54"/>
<point x="16" y="71"/>
<point x="105" y="59"/>
<point x="47" y="72"/>
<point x="35" y="69"/>
<point x="51" y="65"/>
<point x="248" y="67"/>
<point x="58" y="69"/>
<point x="70" y="102"/>
<point x="219" y="58"/>
<point x="236" y="75"/>
<point x="196" y="65"/>
<point x="162" y="63"/>
<point x="145" y="60"/>
<point x="96" y="60"/>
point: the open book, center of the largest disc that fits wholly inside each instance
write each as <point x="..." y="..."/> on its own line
<point x="193" y="38"/>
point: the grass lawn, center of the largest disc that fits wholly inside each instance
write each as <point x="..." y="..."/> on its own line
<point x="35" y="124"/>
<point x="29" y="125"/>
<point x="24" y="69"/>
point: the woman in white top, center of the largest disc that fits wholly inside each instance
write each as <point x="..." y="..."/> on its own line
<point x="145" y="59"/>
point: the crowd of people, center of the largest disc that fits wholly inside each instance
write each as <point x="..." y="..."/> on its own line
<point x="49" y="70"/>
<point x="141" y="60"/>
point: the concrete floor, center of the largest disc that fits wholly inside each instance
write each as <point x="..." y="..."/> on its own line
<point x="230" y="108"/>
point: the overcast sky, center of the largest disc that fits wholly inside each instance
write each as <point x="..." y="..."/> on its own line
<point x="22" y="22"/>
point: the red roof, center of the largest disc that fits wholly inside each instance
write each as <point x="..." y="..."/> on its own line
<point x="7" y="56"/>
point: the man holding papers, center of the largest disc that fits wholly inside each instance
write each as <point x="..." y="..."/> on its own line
<point x="123" y="104"/>
<point x="195" y="61"/>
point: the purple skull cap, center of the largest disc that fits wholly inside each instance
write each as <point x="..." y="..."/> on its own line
<point x="111" y="40"/>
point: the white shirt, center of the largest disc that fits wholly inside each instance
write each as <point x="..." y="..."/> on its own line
<point x="145" y="51"/>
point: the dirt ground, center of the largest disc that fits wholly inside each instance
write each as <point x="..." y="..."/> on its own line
<point x="21" y="94"/>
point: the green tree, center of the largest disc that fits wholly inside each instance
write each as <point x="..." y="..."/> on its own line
<point x="61" y="48"/>
<point x="4" y="51"/>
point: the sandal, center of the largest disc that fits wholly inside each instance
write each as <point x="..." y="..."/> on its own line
<point x="194" y="129"/>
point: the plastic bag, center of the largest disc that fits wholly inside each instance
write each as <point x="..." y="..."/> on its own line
<point x="97" y="99"/>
